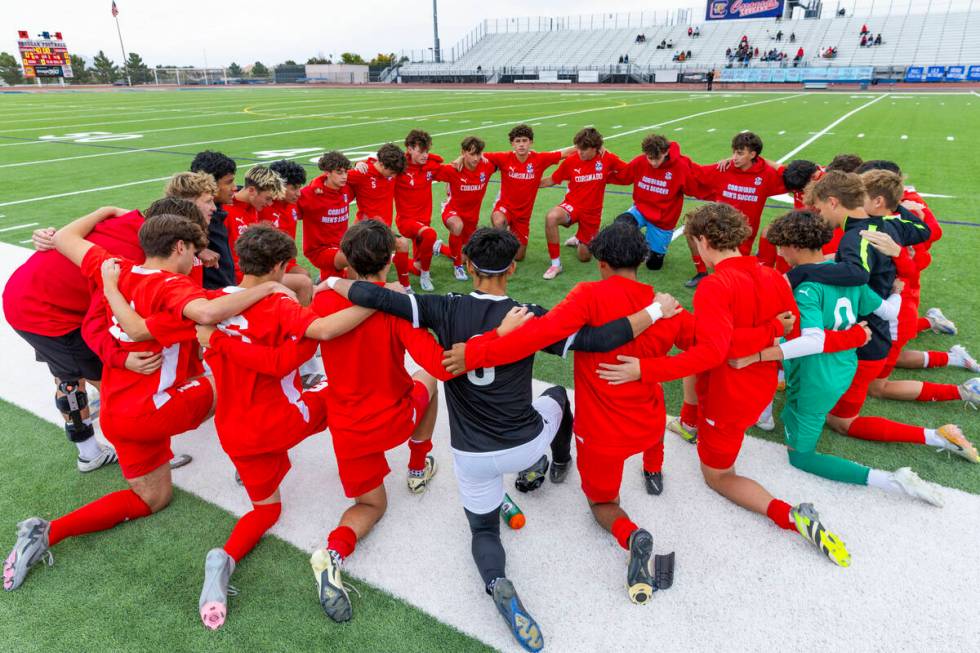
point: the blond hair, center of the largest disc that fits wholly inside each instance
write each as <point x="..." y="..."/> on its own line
<point x="885" y="184"/>
<point x="263" y="179"/>
<point x="190" y="185"/>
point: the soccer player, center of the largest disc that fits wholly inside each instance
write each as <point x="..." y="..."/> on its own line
<point x="140" y="413"/>
<point x="740" y="294"/>
<point x="373" y="405"/>
<point x="611" y="423"/>
<point x="797" y="175"/>
<point x="495" y="425"/>
<point x="587" y="173"/>
<point x="840" y="198"/>
<point x="324" y="207"/>
<point x="282" y="212"/>
<point x="465" y="189"/>
<point x="521" y="171"/>
<point x="196" y="187"/>
<point x="816" y="380"/>
<point x="845" y="163"/>
<point x="413" y="202"/>
<point x="744" y="183"/>
<point x="262" y="186"/>
<point x="222" y="168"/>
<point x="658" y="176"/>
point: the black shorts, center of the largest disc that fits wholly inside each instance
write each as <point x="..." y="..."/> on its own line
<point x="67" y="356"/>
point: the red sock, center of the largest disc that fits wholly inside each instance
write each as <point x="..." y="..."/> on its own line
<point x="343" y="540"/>
<point x="423" y="253"/>
<point x="653" y="458"/>
<point x="417" y="452"/>
<point x="938" y="392"/>
<point x="554" y="250"/>
<point x="778" y="511"/>
<point x="250" y="529"/>
<point x="699" y="265"/>
<point x="923" y="325"/>
<point x="455" y="249"/>
<point x="937" y="359"/>
<point x="689" y="414"/>
<point x="100" y="515"/>
<point x="401" y="267"/>
<point x="885" y="430"/>
<point x="621" y="529"/>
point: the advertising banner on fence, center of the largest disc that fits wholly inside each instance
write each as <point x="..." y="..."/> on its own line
<point x="734" y="9"/>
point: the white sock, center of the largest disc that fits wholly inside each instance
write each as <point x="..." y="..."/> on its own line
<point x="883" y="480"/>
<point x="424" y="274"/>
<point x="556" y="262"/>
<point x="89" y="449"/>
<point x="933" y="439"/>
<point x="925" y="360"/>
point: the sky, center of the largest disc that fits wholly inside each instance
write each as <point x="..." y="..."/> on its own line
<point x="185" y="32"/>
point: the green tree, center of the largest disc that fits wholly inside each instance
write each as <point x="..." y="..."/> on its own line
<point x="350" y="57"/>
<point x="10" y="69"/>
<point x="289" y="62"/>
<point x="383" y="59"/>
<point x="259" y="70"/>
<point x="317" y="60"/>
<point x="137" y="69"/>
<point x="80" y="70"/>
<point x="104" y="69"/>
<point x="234" y="70"/>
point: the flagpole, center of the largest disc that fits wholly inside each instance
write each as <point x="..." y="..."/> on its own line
<point x="123" y="48"/>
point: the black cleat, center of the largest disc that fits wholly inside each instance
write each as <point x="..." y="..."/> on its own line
<point x="559" y="471"/>
<point x="179" y="460"/>
<point x="533" y="477"/>
<point x="520" y="622"/>
<point x="663" y="566"/>
<point x="654" y="482"/>
<point x="695" y="280"/>
<point x="639" y="582"/>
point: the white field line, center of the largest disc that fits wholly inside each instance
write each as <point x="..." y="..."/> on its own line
<point x="107" y="109"/>
<point x="118" y="122"/>
<point x="826" y="129"/>
<point x="18" y="226"/>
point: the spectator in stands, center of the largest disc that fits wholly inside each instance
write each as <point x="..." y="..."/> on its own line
<point x="670" y="44"/>
<point x="792" y="37"/>
<point x="841" y="12"/>
<point x="728" y="54"/>
<point x="779" y="35"/>
<point x="799" y="57"/>
<point x="620" y="60"/>
<point x="878" y="39"/>
<point x="690" y="31"/>
<point x="864" y="40"/>
<point x="755" y="53"/>
<point x="626" y="58"/>
<point x="663" y="45"/>
<point x="676" y="56"/>
<point x="864" y="30"/>
<point x="688" y="55"/>
<point x="697" y="34"/>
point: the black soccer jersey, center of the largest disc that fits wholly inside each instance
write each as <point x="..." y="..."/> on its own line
<point x="489" y="409"/>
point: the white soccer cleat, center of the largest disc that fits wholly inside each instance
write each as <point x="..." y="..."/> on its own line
<point x="107" y="457"/>
<point x="970" y="392"/>
<point x="572" y="242"/>
<point x="408" y="290"/>
<point x="915" y="487"/>
<point x="425" y="282"/>
<point x="766" y="421"/>
<point x="436" y="248"/>
<point x="960" y="357"/>
<point x="940" y="323"/>
<point x="552" y="272"/>
<point x="460" y="273"/>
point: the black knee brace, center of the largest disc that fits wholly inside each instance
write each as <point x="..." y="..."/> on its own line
<point x="71" y="403"/>
<point x="561" y="445"/>
<point x="488" y="552"/>
<point x="655" y="261"/>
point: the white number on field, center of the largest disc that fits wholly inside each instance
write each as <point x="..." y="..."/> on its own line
<point x="286" y="154"/>
<point x="91" y="137"/>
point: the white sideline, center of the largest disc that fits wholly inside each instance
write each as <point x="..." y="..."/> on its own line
<point x="740" y="585"/>
<point x="826" y="129"/>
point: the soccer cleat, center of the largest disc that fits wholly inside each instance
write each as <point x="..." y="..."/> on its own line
<point x="552" y="272"/>
<point x="695" y="280"/>
<point x="687" y="432"/>
<point x="915" y="487"/>
<point x="437" y="248"/>
<point x="766" y="421"/>
<point x="957" y="442"/>
<point x="179" y="460"/>
<point x="408" y="290"/>
<point x="312" y="380"/>
<point x="533" y="477"/>
<point x="807" y="523"/>
<point x="960" y="357"/>
<point x="559" y="471"/>
<point x="654" y="482"/>
<point x="213" y="604"/>
<point x="639" y="581"/>
<point x="330" y="585"/>
<point x="970" y="392"/>
<point x="572" y="242"/>
<point x="30" y="548"/>
<point x="781" y="381"/>
<point x="425" y="281"/>
<point x="521" y="624"/>
<point x="939" y="323"/>
<point x="418" y="482"/>
<point x="460" y="273"/>
<point x="107" y="457"/>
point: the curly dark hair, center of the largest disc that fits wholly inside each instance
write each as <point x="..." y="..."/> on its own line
<point x="491" y="249"/>
<point x="798" y="174"/>
<point x="176" y="206"/>
<point x="588" y="138"/>
<point x="748" y="141"/>
<point x="333" y="161"/>
<point x="418" y="138"/>
<point x="473" y="145"/>
<point x="846" y="187"/>
<point x="845" y="163"/>
<point x="879" y="164"/>
<point x="654" y="145"/>
<point x="724" y="226"/>
<point x="263" y="247"/>
<point x="621" y="246"/>
<point x="391" y="157"/>
<point x="159" y="236"/>
<point x="214" y="163"/>
<point x="800" y="229"/>
<point x="368" y="246"/>
<point x="291" y="172"/>
<point x="521" y="131"/>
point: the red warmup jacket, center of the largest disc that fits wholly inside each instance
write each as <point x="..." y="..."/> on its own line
<point x="658" y="193"/>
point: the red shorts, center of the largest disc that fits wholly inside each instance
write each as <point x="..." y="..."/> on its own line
<point x="601" y="471"/>
<point x="142" y="442"/>
<point x="719" y="444"/>
<point x="411" y="228"/>
<point x="520" y="225"/>
<point x="588" y="222"/>
<point x="470" y="223"/>
<point x="908" y="321"/>
<point x="327" y="264"/>
<point x="361" y="474"/>
<point x="849" y="405"/>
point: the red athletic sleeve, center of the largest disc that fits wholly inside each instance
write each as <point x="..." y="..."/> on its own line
<point x="95" y="333"/>
<point x="852" y="338"/>
<point x="701" y="180"/>
<point x="905" y="266"/>
<point x="446" y="173"/>
<point x="774" y="180"/>
<point x="92" y="264"/>
<point x="274" y="361"/>
<point x="546" y="159"/>
<point x="423" y="348"/>
<point x="563" y="173"/>
<point x="178" y="292"/>
<point x="625" y="175"/>
<point x="496" y="158"/>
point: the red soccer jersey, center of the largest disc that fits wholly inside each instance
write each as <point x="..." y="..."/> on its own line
<point x="519" y="180"/>
<point x="241" y="216"/>
<point x="375" y="193"/>
<point x="160" y="297"/>
<point x="49" y="296"/>
<point x="620" y="419"/>
<point x="587" y="180"/>
<point x="260" y="406"/>
<point x="798" y="195"/>
<point x="746" y="190"/>
<point x="325" y="213"/>
<point x="369" y="388"/>
<point x="466" y="188"/>
<point x="658" y="193"/>
<point x="413" y="190"/>
<point x="281" y="215"/>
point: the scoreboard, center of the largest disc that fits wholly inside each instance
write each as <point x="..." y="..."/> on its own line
<point x="45" y="56"/>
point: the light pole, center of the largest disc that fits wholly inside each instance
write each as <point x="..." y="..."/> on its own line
<point x="437" y="53"/>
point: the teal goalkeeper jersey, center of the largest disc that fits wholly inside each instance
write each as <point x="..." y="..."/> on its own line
<point x="816" y="382"/>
